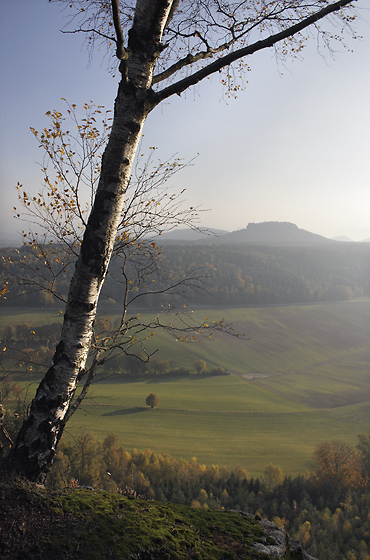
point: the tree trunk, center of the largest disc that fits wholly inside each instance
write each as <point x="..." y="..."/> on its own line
<point x="35" y="448"/>
<point x="36" y="444"/>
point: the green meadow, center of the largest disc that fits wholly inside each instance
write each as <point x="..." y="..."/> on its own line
<point x="233" y="424"/>
<point x="300" y="376"/>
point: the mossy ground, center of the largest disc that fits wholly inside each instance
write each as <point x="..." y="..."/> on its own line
<point x="88" y="524"/>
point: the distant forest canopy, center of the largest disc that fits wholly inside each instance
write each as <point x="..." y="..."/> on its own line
<point x="235" y="274"/>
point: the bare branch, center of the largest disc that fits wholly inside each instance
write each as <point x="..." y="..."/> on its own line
<point x="120" y="52"/>
<point x="187" y="61"/>
<point x="96" y="31"/>
<point x="217" y="65"/>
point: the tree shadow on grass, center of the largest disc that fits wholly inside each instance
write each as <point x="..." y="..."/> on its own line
<point x="125" y="411"/>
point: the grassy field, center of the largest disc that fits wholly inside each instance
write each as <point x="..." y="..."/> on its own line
<point x="301" y="377"/>
<point x="225" y="431"/>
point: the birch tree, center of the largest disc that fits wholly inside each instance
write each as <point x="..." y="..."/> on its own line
<point x="163" y="48"/>
<point x="56" y="218"/>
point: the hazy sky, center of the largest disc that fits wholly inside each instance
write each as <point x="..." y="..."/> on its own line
<point x="289" y="148"/>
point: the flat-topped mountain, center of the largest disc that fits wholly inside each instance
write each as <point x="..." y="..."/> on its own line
<point x="265" y="233"/>
<point x="274" y="233"/>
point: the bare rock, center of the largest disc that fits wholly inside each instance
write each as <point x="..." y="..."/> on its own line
<point x="274" y="541"/>
<point x="277" y="544"/>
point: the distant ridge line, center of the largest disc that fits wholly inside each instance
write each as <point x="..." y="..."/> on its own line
<point x="263" y="233"/>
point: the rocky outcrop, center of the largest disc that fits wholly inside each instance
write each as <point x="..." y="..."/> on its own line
<point x="277" y="544"/>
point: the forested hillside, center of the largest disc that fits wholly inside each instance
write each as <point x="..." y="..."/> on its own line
<point x="215" y="274"/>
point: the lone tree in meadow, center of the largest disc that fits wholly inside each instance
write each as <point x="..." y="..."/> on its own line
<point x="163" y="47"/>
<point x="152" y="400"/>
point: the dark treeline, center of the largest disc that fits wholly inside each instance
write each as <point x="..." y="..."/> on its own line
<point x="227" y="275"/>
<point x="245" y="275"/>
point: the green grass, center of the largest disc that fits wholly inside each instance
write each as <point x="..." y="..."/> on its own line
<point x="251" y="439"/>
<point x="210" y="394"/>
<point x="34" y="317"/>
<point x="278" y="339"/>
<point x="301" y="378"/>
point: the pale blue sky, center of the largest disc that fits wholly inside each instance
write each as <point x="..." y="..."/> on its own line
<point x="289" y="148"/>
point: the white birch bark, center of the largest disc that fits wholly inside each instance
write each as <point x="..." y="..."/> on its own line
<point x="36" y="444"/>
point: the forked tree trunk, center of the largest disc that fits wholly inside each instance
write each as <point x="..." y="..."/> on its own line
<point x="34" y="450"/>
